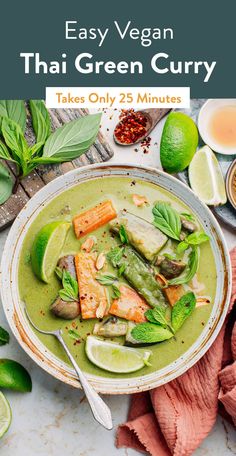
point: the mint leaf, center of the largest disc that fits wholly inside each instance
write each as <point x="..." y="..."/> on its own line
<point x="115" y="255"/>
<point x="70" y="289"/>
<point x="150" y="333"/>
<point x="167" y="219"/>
<point x="182" y="309"/>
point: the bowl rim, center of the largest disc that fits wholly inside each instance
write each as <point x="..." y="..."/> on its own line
<point x="206" y="137"/>
<point x="17" y="320"/>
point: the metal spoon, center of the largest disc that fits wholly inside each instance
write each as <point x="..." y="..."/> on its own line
<point x="153" y="116"/>
<point x="100" y="410"/>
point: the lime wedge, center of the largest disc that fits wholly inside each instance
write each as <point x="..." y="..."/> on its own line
<point x="46" y="249"/>
<point x="114" y="357"/>
<point x="14" y="376"/>
<point x="206" y="178"/>
<point x="5" y="415"/>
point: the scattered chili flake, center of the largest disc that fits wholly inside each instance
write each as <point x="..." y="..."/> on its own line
<point x="145" y="144"/>
<point x="132" y="126"/>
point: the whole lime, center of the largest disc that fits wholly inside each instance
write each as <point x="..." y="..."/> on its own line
<point x="14" y="376"/>
<point x="178" y="142"/>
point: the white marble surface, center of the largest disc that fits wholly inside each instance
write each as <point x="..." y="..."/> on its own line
<point x="54" y="420"/>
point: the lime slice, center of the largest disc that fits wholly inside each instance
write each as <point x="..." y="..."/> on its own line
<point x="14" y="376"/>
<point x="114" y="357"/>
<point x="206" y="178"/>
<point x="5" y="415"/>
<point x="46" y="249"/>
<point x="178" y="142"/>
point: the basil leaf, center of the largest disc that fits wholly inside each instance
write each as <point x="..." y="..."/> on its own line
<point x="14" y="110"/>
<point x="116" y="292"/>
<point x="167" y="219"/>
<point x="197" y="238"/>
<point x="121" y="269"/>
<point x="6" y="184"/>
<point x="4" y="336"/>
<point x="40" y="119"/>
<point x="14" y="138"/>
<point x="70" y="284"/>
<point x="182" y="309"/>
<point x="123" y="235"/>
<point x="106" y="279"/>
<point x="191" y="269"/>
<point x="150" y="333"/>
<point x="66" y="296"/>
<point x="182" y="246"/>
<point x="73" y="139"/>
<point x="157" y="315"/>
<point x="188" y="216"/>
<point x="35" y="149"/>
<point x="115" y="256"/>
<point x="74" y="334"/>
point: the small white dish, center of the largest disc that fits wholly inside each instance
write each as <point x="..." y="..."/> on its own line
<point x="204" y="118"/>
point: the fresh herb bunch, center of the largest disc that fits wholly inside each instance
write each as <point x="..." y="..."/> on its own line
<point x="66" y="143"/>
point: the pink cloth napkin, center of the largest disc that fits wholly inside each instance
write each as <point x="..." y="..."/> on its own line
<point x="174" y="419"/>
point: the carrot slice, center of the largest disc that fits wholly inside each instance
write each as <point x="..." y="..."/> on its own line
<point x="129" y="305"/>
<point x="93" y="218"/>
<point x="93" y="297"/>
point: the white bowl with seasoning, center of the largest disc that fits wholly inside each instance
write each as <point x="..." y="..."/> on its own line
<point x="217" y="125"/>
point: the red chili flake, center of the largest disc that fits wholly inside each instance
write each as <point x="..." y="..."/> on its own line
<point x="132" y="126"/>
<point x="145" y="144"/>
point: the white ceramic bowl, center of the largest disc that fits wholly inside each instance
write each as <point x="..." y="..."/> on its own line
<point x="14" y="309"/>
<point x="204" y="117"/>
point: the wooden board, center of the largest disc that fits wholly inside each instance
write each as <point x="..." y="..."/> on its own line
<point x="99" y="152"/>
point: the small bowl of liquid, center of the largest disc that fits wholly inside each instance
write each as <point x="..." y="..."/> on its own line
<point x="217" y="125"/>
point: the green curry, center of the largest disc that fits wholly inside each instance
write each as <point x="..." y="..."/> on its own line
<point x="39" y="296"/>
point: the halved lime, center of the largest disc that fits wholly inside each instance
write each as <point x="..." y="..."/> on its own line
<point x="5" y="414"/>
<point x="114" y="357"/>
<point x="14" y="376"/>
<point x="206" y="178"/>
<point x="178" y="142"/>
<point x="47" y="247"/>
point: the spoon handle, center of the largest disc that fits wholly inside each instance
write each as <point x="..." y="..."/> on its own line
<point x="100" y="410"/>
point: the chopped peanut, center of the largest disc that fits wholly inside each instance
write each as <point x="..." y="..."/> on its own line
<point x="101" y="259"/>
<point x="88" y="244"/>
<point x="139" y="200"/>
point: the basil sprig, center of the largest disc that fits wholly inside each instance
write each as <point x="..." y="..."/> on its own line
<point x="70" y="289"/>
<point x="196" y="238"/>
<point x="167" y="220"/>
<point x="66" y="143"/>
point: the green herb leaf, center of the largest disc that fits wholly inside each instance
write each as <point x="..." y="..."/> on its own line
<point x="35" y="149"/>
<point x="73" y="139"/>
<point x="115" y="256"/>
<point x="4" y="336"/>
<point x="115" y="292"/>
<point x="157" y="315"/>
<point x="167" y="219"/>
<point x="150" y="333"/>
<point x="182" y="309"/>
<point x="40" y="119"/>
<point x="14" y="110"/>
<point x="70" y="289"/>
<point x="4" y="152"/>
<point x="197" y="238"/>
<point x="6" y="184"/>
<point x="188" y="216"/>
<point x="123" y="235"/>
<point x="121" y="269"/>
<point x="74" y="334"/>
<point x="182" y="246"/>
<point x="169" y="256"/>
<point x="106" y="279"/>
<point x="191" y="269"/>
<point x="14" y="138"/>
